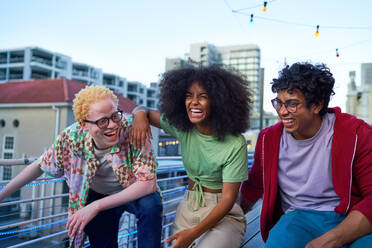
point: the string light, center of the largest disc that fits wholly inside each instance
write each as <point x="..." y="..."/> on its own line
<point x="265" y="6"/>
<point x="253" y="7"/>
<point x="303" y="24"/>
<point x="317" y="31"/>
<point x="251" y="21"/>
<point x="337" y="54"/>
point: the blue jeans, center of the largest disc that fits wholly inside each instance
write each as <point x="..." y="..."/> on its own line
<point x="103" y="229"/>
<point x="299" y="227"/>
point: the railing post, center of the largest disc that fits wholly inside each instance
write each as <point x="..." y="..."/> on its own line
<point x="52" y="201"/>
<point x="42" y="193"/>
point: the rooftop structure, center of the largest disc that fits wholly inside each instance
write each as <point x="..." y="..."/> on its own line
<point x="30" y="63"/>
<point x="359" y="97"/>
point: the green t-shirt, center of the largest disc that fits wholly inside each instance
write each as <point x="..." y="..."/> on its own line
<point x="209" y="161"/>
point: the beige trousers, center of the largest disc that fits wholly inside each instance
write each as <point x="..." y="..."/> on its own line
<point x="229" y="232"/>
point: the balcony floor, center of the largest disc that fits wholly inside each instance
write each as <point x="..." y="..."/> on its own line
<point x="252" y="237"/>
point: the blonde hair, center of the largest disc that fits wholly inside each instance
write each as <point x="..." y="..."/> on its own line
<point x="88" y="96"/>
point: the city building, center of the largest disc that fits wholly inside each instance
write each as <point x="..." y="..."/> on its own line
<point x="86" y="73"/>
<point x="33" y="63"/>
<point x="30" y="63"/>
<point x="359" y="97"/>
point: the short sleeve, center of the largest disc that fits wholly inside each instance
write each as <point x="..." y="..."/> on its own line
<point x="168" y="128"/>
<point x="51" y="162"/>
<point x="144" y="163"/>
<point x="236" y="168"/>
<point x="127" y="119"/>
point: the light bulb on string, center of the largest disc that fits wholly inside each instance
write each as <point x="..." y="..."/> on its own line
<point x="251" y="21"/>
<point x="337" y="54"/>
<point x="265" y="6"/>
<point x="317" y="31"/>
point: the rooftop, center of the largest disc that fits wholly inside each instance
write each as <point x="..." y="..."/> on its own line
<point x="49" y="91"/>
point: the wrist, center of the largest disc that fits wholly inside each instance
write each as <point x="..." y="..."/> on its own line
<point x="97" y="206"/>
<point x="140" y="109"/>
<point x="196" y="232"/>
<point x="335" y="238"/>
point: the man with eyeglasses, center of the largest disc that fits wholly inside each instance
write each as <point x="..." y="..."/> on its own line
<point x="313" y="168"/>
<point x="106" y="175"/>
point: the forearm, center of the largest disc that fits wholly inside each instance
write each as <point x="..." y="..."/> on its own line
<point x="217" y="214"/>
<point x="354" y="226"/>
<point x="131" y="193"/>
<point x="222" y="208"/>
<point x="78" y="220"/>
<point x="30" y="173"/>
<point x="152" y="116"/>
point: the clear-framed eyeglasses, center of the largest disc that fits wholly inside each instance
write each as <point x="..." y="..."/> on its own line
<point x="290" y="105"/>
<point x="104" y="122"/>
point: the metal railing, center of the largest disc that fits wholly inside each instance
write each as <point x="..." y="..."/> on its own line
<point x="38" y="216"/>
<point x="33" y="217"/>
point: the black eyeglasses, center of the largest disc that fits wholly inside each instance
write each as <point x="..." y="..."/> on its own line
<point x="290" y="105"/>
<point x="104" y="122"/>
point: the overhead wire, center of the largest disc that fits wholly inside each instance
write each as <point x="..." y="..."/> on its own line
<point x="304" y="24"/>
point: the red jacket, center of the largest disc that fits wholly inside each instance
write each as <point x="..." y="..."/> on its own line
<point x="351" y="169"/>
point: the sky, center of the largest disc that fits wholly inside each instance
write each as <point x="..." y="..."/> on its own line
<point x="133" y="38"/>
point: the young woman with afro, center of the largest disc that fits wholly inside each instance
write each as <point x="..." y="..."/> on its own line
<point x="207" y="109"/>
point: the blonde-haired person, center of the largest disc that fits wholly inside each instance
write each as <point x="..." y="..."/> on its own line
<point x="87" y="97"/>
<point x="105" y="174"/>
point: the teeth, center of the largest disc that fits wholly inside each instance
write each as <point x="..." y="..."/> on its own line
<point x="195" y="110"/>
<point x="287" y="121"/>
<point x="110" y="133"/>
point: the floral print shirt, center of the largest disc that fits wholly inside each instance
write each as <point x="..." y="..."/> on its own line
<point x="72" y="156"/>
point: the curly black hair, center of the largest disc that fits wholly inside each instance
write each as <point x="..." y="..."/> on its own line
<point x="227" y="89"/>
<point x="314" y="81"/>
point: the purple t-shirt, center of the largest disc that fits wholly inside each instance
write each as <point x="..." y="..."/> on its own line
<point x="305" y="170"/>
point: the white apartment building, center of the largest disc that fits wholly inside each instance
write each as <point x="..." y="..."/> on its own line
<point x="29" y="63"/>
<point x="86" y="73"/>
<point x="33" y="63"/>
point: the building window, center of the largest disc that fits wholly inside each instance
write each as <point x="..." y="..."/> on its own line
<point x="16" y="123"/>
<point x="150" y="93"/>
<point x="8" y="151"/>
<point x="8" y="155"/>
<point x="132" y="87"/>
<point x="8" y="143"/>
<point x="150" y="104"/>
<point x="168" y="147"/>
<point x="7" y="173"/>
